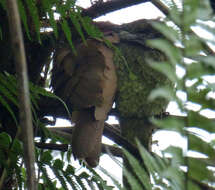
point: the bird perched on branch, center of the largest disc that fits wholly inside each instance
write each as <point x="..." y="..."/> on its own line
<point x="89" y="81"/>
<point x="86" y="81"/>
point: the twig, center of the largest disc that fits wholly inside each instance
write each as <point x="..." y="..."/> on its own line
<point x="109" y="131"/>
<point x="100" y="9"/>
<point x="160" y="6"/>
<point x="52" y="146"/>
<point x="64" y="147"/>
<point x="115" y="151"/>
<point x="24" y="101"/>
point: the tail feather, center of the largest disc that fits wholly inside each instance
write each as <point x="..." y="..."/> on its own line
<point x="86" y="140"/>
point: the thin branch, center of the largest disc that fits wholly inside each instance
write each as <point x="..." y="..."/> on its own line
<point x="52" y="146"/>
<point x="115" y="151"/>
<point x="106" y="149"/>
<point x="161" y="6"/>
<point x="109" y="131"/>
<point x="24" y="101"/>
<point x="102" y="8"/>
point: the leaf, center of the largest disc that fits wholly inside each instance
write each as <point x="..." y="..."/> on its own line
<point x="59" y="177"/>
<point x="90" y="28"/>
<point x="171" y="51"/>
<point x="43" y="92"/>
<point x="20" y="178"/>
<point x="199" y="121"/>
<point x="193" y="45"/>
<point x="70" y="170"/>
<point x="7" y="94"/>
<point x="115" y="182"/>
<point x="3" y="4"/>
<point x="151" y="165"/>
<point x="165" y="68"/>
<point x="173" y="123"/>
<point x="84" y="175"/>
<point x="207" y="60"/>
<point x="132" y="180"/>
<point x="75" y="21"/>
<point x="192" y="185"/>
<point x="175" y="13"/>
<point x="5" y="140"/>
<point x="80" y="183"/>
<point x="205" y="12"/>
<point x="7" y="106"/>
<point x="46" y="178"/>
<point x="200" y="96"/>
<point x="139" y="170"/>
<point x="69" y="154"/>
<point x="47" y="5"/>
<point x="9" y="82"/>
<point x="162" y="92"/>
<point x="68" y="34"/>
<point x="176" y="153"/>
<point x="198" y="170"/>
<point x="190" y="13"/>
<point x="46" y="157"/>
<point x="70" y="180"/>
<point x="167" y="31"/>
<point x="35" y="17"/>
<point x="175" y="176"/>
<point x="196" y="70"/>
<point x="17" y="147"/>
<point x="197" y="144"/>
<point x="23" y="16"/>
<point x="58" y="164"/>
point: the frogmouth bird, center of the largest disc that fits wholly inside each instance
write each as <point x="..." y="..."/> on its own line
<point x="86" y="81"/>
<point x="89" y="80"/>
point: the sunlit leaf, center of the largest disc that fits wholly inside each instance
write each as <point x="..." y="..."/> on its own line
<point x="167" y="31"/>
<point x="199" y="121"/>
<point x="171" y="51"/>
<point x="198" y="170"/>
<point x="165" y="68"/>
<point x="173" y="123"/>
<point x="199" y="145"/>
<point x="163" y="92"/>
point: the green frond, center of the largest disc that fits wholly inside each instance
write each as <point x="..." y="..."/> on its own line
<point x="59" y="176"/>
<point x="23" y="16"/>
<point x="33" y="10"/>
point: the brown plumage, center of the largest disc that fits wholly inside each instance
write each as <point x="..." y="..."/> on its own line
<point x="86" y="81"/>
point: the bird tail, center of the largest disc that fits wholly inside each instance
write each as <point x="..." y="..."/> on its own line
<point x="86" y="139"/>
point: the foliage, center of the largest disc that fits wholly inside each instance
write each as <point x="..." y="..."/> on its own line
<point x="11" y="150"/>
<point x="177" y="169"/>
<point x="183" y="48"/>
<point x="63" y="176"/>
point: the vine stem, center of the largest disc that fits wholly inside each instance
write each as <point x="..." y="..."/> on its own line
<point x="25" y="116"/>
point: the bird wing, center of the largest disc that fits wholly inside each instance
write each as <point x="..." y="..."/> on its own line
<point x="88" y="82"/>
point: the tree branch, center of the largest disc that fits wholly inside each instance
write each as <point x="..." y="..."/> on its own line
<point x="52" y="146"/>
<point x="106" y="149"/>
<point x="112" y="132"/>
<point x="24" y="100"/>
<point x="115" y="151"/>
<point x="103" y="8"/>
